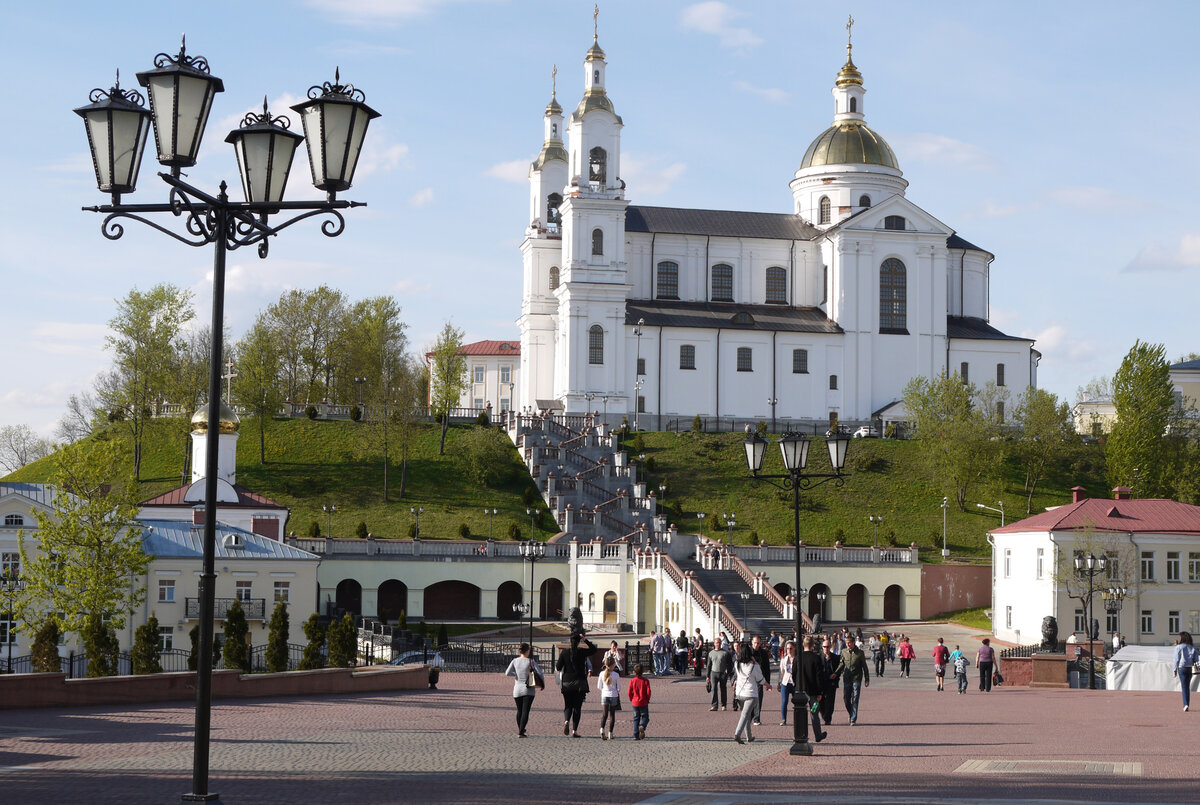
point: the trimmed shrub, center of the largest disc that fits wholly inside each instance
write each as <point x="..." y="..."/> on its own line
<point x="697" y="424"/>
<point x="343" y="640"/>
<point x="100" y="645"/>
<point x="45" y="648"/>
<point x="443" y="639"/>
<point x="464" y="530"/>
<point x="761" y="427"/>
<point x="236" y="652"/>
<point x="194" y="657"/>
<point x="514" y="531"/>
<point x="311" y="412"/>
<point x="412" y="530"/>
<point x="145" y="648"/>
<point x="277" y="640"/>
<point x="361" y="532"/>
<point x="313" y="657"/>
<point x="483" y="419"/>
<point x="314" y="529"/>
<point x="356" y="414"/>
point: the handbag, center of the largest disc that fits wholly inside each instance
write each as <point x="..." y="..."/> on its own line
<point x="997" y="678"/>
<point x="708" y="684"/>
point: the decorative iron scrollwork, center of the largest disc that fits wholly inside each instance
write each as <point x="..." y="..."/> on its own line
<point x="337" y="88"/>
<point x="182" y="59"/>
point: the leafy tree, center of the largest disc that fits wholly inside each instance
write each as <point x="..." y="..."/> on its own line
<point x="80" y="419"/>
<point x="361" y="531"/>
<point x="194" y="655"/>
<point x="314" y="631"/>
<point x="145" y="342"/>
<point x="277" y="640"/>
<point x="485" y="455"/>
<point x="1044" y="435"/>
<point x="20" y="445"/>
<point x="308" y="325"/>
<point x="343" y="643"/>
<point x="447" y="376"/>
<point x="314" y="529"/>
<point x="45" y="647"/>
<point x="145" y="648"/>
<point x="393" y="411"/>
<point x="1145" y="405"/>
<point x="100" y="645"/>
<point x="256" y="387"/>
<point x="236" y="651"/>
<point x="85" y="553"/>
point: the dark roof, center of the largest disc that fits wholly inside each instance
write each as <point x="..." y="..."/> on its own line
<point x="977" y="329"/>
<point x="1145" y="515"/>
<point x="955" y="242"/>
<point x="1186" y="365"/>
<point x="664" y="313"/>
<point x="722" y="223"/>
<point x="246" y="498"/>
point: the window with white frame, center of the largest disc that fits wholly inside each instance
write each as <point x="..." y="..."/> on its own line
<point x="8" y="630"/>
<point x="505" y="374"/>
<point x="166" y="590"/>
<point x="1007" y="562"/>
<point x="505" y="404"/>
<point x="1193" y="566"/>
<point x="10" y="564"/>
<point x="1112" y="567"/>
<point x="1147" y="621"/>
<point x="1041" y="562"/>
<point x="283" y="591"/>
<point x="745" y="359"/>
<point x="833" y="383"/>
<point x="799" y="361"/>
<point x="1174" y="567"/>
<point x="166" y="638"/>
<point x="776" y="285"/>
<point x="13" y="520"/>
<point x="668" y="280"/>
<point x="999" y="374"/>
<point x="1112" y="622"/>
<point x="1173" y="622"/>
<point x="596" y="345"/>
<point x="479" y="373"/>
<point x="641" y="404"/>
<point x="479" y="403"/>
<point x="687" y="356"/>
<point x="1194" y="621"/>
<point x="1080" y="622"/>
<point x="1147" y="565"/>
<point x="722" y="283"/>
<point x="242" y="591"/>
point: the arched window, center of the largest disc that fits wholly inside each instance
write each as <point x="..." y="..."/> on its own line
<point x="893" y="297"/>
<point x="668" y="280"/>
<point x="854" y="104"/>
<point x="13" y="519"/>
<point x="553" y="277"/>
<point x="687" y="356"/>
<point x="825" y="210"/>
<point x="776" y="286"/>
<point x="722" y="283"/>
<point x="745" y="359"/>
<point x="553" y="202"/>
<point x="833" y="382"/>
<point x="864" y="201"/>
<point x="894" y="222"/>
<point x="800" y="361"/>
<point x="598" y="241"/>
<point x="596" y="344"/>
<point x="597" y="165"/>
<point x="591" y="601"/>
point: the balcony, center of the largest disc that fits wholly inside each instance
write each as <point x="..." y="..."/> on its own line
<point x="255" y="608"/>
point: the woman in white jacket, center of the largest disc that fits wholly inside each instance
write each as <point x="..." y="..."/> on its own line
<point x="609" y="685"/>
<point x="747" y="676"/>
<point x="525" y="668"/>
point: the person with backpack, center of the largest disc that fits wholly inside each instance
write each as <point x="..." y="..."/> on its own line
<point x="658" y="648"/>
<point x="941" y="656"/>
<point x="1186" y="658"/>
<point x="959" y="662"/>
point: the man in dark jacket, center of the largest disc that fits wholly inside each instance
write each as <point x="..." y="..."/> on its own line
<point x="720" y="668"/>
<point x="762" y="656"/>
<point x="852" y="668"/>
<point x="811" y="673"/>
<point x="829" y="679"/>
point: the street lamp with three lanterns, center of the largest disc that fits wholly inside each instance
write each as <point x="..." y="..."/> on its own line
<point x="531" y="551"/>
<point x="1089" y="567"/>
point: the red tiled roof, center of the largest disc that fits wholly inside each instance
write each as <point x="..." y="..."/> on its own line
<point x="1155" y="515"/>
<point x="246" y="498"/>
<point x="491" y="348"/>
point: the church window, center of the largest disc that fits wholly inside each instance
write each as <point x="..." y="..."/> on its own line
<point x="745" y="359"/>
<point x="854" y="104"/>
<point x="668" y="280"/>
<point x="825" y="210"/>
<point x="641" y="366"/>
<point x="824" y="284"/>
<point x="597" y="165"/>
<point x="893" y="297"/>
<point x="964" y="373"/>
<point x="553" y="277"/>
<point x="999" y="374"/>
<point x="776" y="286"/>
<point x="687" y="356"/>
<point x="641" y="404"/>
<point x="722" y="283"/>
<point x="553" y="202"/>
<point x="864" y="201"/>
<point x="894" y="222"/>
<point x="598" y="241"/>
<point x="596" y="76"/>
<point x="596" y="345"/>
<point x="554" y="130"/>
<point x="742" y="317"/>
<point x="833" y="382"/>
<point x="799" y="361"/>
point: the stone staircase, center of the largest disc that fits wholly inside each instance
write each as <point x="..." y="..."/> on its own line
<point x="756" y="613"/>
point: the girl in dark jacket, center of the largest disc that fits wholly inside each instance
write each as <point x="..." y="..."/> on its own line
<point x="572" y="667"/>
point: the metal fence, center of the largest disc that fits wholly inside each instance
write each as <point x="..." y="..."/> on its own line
<point x="258" y="657"/>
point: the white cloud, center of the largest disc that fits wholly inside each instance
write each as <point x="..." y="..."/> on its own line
<point x="366" y="13"/>
<point x="1067" y="348"/>
<point x="410" y="287"/>
<point x="936" y="148"/>
<point x="1091" y="198"/>
<point x="68" y="338"/>
<point x="516" y="171"/>
<point x="646" y="177"/>
<point x="768" y="94"/>
<point x="421" y="198"/>
<point x="717" y="19"/>
<point x="1182" y="257"/>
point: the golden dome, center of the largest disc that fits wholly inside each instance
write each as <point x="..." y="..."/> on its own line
<point x="594" y="52"/>
<point x="553" y="108"/>
<point x="849" y="74"/>
<point x="229" y="420"/>
<point x="849" y="142"/>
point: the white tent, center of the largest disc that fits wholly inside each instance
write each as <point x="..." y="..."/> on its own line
<point x="1145" y="668"/>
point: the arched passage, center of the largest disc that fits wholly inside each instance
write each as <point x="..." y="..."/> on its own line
<point x="856" y="603"/>
<point x="451" y="600"/>
<point x="816" y="605"/>
<point x="647" y="595"/>
<point x="508" y="595"/>
<point x="551" y="606"/>
<point x="783" y="588"/>
<point x="349" y="596"/>
<point x="610" y="607"/>
<point x="393" y="599"/>
<point x="893" y="603"/>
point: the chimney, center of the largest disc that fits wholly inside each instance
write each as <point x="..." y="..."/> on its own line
<point x="1078" y="493"/>
<point x="1121" y="493"/>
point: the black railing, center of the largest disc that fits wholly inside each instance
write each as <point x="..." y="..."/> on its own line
<point x="255" y="608"/>
<point x="258" y="657"/>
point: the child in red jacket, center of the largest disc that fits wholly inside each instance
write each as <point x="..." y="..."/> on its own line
<point x="639" y="698"/>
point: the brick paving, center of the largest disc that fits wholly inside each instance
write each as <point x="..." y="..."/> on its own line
<point x="458" y="744"/>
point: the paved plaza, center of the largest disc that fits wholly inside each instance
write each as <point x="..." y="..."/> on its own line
<point x="459" y="744"/>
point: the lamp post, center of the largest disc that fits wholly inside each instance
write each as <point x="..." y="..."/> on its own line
<point x="1114" y="597"/>
<point x="490" y="514"/>
<point x="417" y="511"/>
<point x="531" y="552"/>
<point x="945" y="506"/>
<point x="999" y="510"/>
<point x="637" y="375"/>
<point x="1089" y="567"/>
<point x="876" y="519"/>
<point x="533" y="513"/>
<point x="181" y="89"/>
<point x="358" y="384"/>
<point x="794" y="448"/>
<point x="330" y="510"/>
<point x="745" y="601"/>
<point x="662" y="493"/>
<point x="772" y="401"/>
<point x="700" y="516"/>
<point x="821" y="596"/>
<point x="10" y="584"/>
<point x="730" y="522"/>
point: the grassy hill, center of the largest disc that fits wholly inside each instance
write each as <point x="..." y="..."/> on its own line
<point x="312" y="463"/>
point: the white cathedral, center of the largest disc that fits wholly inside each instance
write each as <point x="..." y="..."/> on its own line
<point x="821" y="314"/>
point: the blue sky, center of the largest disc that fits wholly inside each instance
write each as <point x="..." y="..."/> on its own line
<point x="1059" y="136"/>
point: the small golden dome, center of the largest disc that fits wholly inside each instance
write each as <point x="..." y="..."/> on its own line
<point x="553" y="108"/>
<point x="849" y="75"/>
<point x="229" y="420"/>
<point x="594" y="52"/>
<point x="849" y="142"/>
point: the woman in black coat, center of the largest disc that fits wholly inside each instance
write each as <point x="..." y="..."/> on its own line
<point x="572" y="667"/>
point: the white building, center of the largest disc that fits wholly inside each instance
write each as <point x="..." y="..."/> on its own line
<point x="493" y="369"/>
<point x="828" y="309"/>
<point x="1152" y="548"/>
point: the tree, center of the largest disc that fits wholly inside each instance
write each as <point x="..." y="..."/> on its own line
<point x="1145" y="406"/>
<point x="236" y="651"/>
<point x="343" y="643"/>
<point x="308" y="326"/>
<point x="101" y="647"/>
<point x="45" y="647"/>
<point x="20" y="445"/>
<point x="954" y="439"/>
<point x="145" y="648"/>
<point x="277" y="640"/>
<point x="81" y="418"/>
<point x="86" y="557"/>
<point x="447" y="376"/>
<point x="314" y="631"/>
<point x="486" y="456"/>
<point x="256" y="387"/>
<point x="1043" y="436"/>
<point x="145" y="344"/>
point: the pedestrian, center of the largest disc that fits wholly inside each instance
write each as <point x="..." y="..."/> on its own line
<point x="885" y="645"/>
<point x="877" y="655"/>
<point x="748" y="681"/>
<point x="941" y="656"/>
<point x="959" y="662"/>
<point x="788" y="669"/>
<point x="697" y="653"/>
<point x="615" y="653"/>
<point x="682" y="645"/>
<point x="737" y="651"/>
<point x="907" y="653"/>
<point x="1186" y="656"/>
<point x="719" y="667"/>
<point x="639" y="700"/>
<point x="855" y="674"/>
<point x="763" y="657"/>
<point x="609" y="685"/>
<point x="658" y="649"/>
<point x="572" y="667"/>
<point x="529" y="680"/>
<point x="985" y="658"/>
<point x="829" y="680"/>
<point x="1116" y="642"/>
<point x="773" y="645"/>
<point x="810" y="682"/>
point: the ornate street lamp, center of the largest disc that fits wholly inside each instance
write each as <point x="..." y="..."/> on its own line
<point x="335" y="119"/>
<point x="531" y="552"/>
<point x="794" y="447"/>
<point x="876" y="519"/>
<point x="1089" y="567"/>
<point x="490" y="512"/>
<point x="417" y="511"/>
<point x="1114" y="598"/>
<point x="181" y="89"/>
<point x="330" y="510"/>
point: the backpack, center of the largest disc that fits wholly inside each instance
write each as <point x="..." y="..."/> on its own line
<point x="960" y="665"/>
